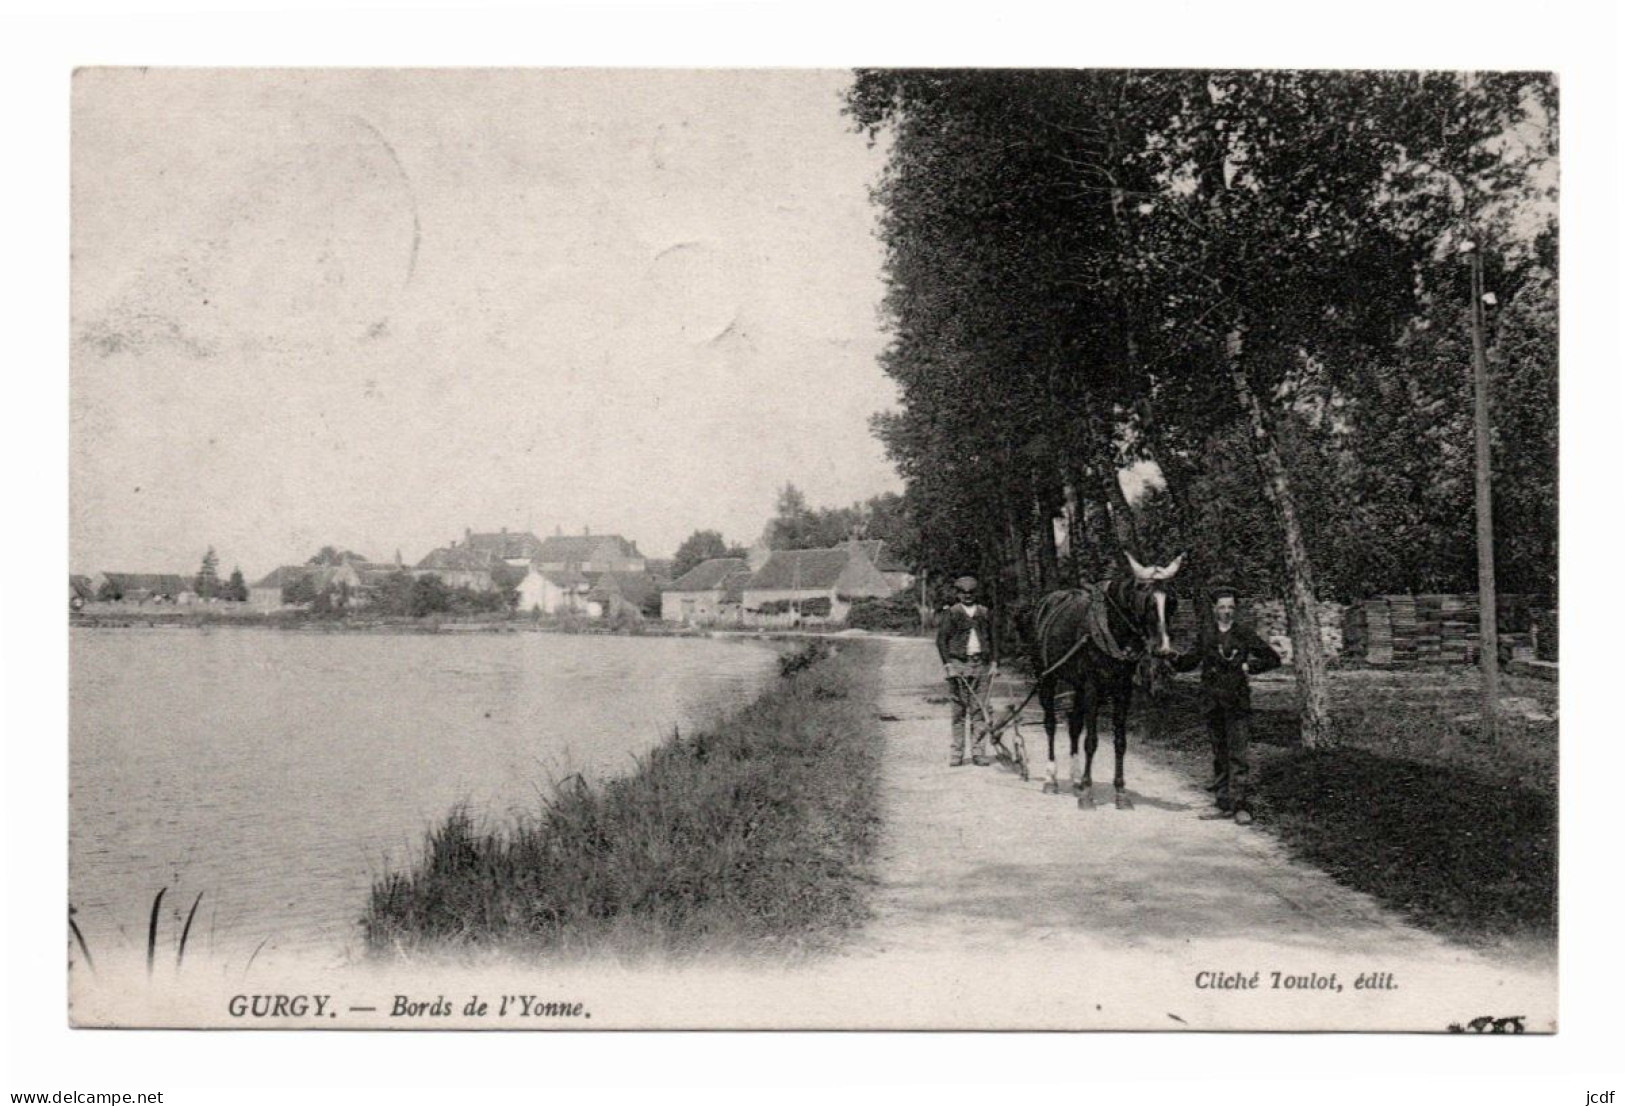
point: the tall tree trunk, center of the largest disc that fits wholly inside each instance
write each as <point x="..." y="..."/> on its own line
<point x="1121" y="514"/>
<point x="1049" y="568"/>
<point x="1079" y="541"/>
<point x="1017" y="554"/>
<point x="1303" y="610"/>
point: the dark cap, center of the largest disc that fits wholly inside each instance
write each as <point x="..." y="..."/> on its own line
<point x="965" y="583"/>
<point x="1222" y="591"/>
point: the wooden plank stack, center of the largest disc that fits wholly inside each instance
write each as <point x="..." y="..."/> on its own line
<point x="1427" y="635"/>
<point x="1458" y="629"/>
<point x="1402" y="615"/>
<point x="1379" y="633"/>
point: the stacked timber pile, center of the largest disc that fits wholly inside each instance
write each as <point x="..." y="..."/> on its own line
<point x="1379" y="633"/>
<point x="1458" y="629"/>
<point x="1429" y="628"/>
<point x="1407" y="630"/>
<point x="1402" y="615"/>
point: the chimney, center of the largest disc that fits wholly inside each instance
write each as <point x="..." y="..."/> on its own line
<point x="468" y="535"/>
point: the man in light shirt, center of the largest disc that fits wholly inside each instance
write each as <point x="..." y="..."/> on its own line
<point x="965" y="646"/>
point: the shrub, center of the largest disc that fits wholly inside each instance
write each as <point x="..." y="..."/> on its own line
<point x="898" y="614"/>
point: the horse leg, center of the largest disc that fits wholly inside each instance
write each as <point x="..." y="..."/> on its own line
<point x="1120" y="703"/>
<point x="1083" y="708"/>
<point x="1046" y="698"/>
<point x="1090" y="703"/>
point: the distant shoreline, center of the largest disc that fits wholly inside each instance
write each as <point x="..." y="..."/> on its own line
<point x="299" y="622"/>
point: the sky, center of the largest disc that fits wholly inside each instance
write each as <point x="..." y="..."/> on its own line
<point x="370" y="309"/>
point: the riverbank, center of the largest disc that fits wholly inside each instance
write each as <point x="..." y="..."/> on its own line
<point x="754" y="834"/>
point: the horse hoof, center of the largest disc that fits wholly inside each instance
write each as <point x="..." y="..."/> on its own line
<point x="1051" y="788"/>
<point x="1086" y="799"/>
<point x="1124" y="802"/>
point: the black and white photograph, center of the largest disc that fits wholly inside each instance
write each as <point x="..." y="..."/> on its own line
<point x="814" y="549"/>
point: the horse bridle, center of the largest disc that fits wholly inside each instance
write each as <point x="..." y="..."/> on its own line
<point x="1130" y="620"/>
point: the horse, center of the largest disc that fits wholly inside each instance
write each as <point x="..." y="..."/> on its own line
<point x="1093" y="640"/>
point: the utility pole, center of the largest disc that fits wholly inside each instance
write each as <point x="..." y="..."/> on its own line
<point x="1489" y="658"/>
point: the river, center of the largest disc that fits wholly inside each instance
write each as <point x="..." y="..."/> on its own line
<point x="279" y="773"/>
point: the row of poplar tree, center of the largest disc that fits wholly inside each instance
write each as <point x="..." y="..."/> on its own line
<point x="1248" y="287"/>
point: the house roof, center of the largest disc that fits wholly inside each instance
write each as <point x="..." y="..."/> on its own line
<point x="801" y="569"/>
<point x="506" y="544"/>
<point x="323" y="577"/>
<point x="161" y="583"/>
<point x="565" y="548"/>
<point x="710" y="575"/>
<point x="567" y="578"/>
<point x="635" y="587"/>
<point x="455" y="558"/>
<point x="881" y="556"/>
<point x="286" y="574"/>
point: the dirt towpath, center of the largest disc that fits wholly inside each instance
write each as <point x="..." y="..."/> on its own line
<point x="1000" y="898"/>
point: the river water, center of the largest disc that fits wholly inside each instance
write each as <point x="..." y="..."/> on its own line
<point x="279" y="773"/>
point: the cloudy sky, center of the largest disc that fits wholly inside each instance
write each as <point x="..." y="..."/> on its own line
<point x="370" y="309"/>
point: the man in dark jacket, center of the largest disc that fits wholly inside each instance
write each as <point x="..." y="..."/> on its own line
<point x="965" y="645"/>
<point x="1227" y="653"/>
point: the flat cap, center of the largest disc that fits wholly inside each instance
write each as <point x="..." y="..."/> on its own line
<point x="965" y="583"/>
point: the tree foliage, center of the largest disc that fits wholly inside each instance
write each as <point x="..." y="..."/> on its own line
<point x="700" y="546"/>
<point x="1245" y="282"/>
<point x="207" y="582"/>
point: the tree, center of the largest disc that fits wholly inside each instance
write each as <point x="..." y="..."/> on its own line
<point x="299" y="590"/>
<point x="331" y="557"/>
<point x="429" y="596"/>
<point x="236" y="587"/>
<point x="701" y="545"/>
<point x="393" y="596"/>
<point x="207" y="582"/>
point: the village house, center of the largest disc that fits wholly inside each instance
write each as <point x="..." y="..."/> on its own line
<point x="812" y="585"/>
<point x="710" y="592"/>
<point x="596" y="595"/>
<point x="590" y="553"/>
<point x="349" y="580"/>
<point x="553" y="591"/>
<point x="142" y="587"/>
<point x="460" y="567"/>
<point x="618" y="594"/>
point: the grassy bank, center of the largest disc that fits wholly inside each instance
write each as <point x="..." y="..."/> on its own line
<point x="754" y="834"/>
<point x="1410" y="806"/>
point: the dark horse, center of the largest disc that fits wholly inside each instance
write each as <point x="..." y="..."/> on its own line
<point x="1095" y="638"/>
